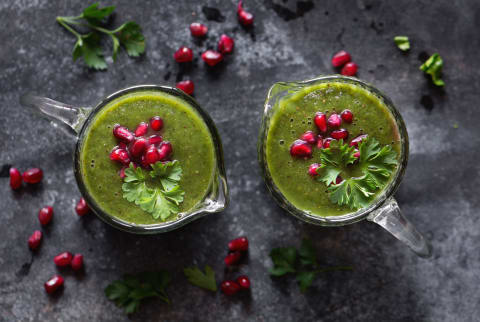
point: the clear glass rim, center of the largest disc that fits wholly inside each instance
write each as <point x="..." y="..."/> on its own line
<point x="280" y="89"/>
<point x="216" y="199"/>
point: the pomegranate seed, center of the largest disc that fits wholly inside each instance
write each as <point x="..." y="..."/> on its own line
<point x="122" y="133"/>
<point x="183" y="55"/>
<point x="232" y="258"/>
<point x="164" y="151"/>
<point x="339" y="134"/>
<point x="120" y="155"/>
<point x="45" y="215"/>
<point x="15" y="178"/>
<point x="319" y="142"/>
<point x="338" y="180"/>
<point x="334" y="121"/>
<point x="141" y="129"/>
<point x="138" y="147"/>
<point x="309" y="137"/>
<point x="35" y="239"/>
<point x="355" y="141"/>
<point x="326" y="143"/>
<point x="198" y="30"/>
<point x="155" y="140"/>
<point x="82" y="208"/>
<point x="225" y="44"/>
<point x="229" y="287"/>
<point x="244" y="282"/>
<point x="187" y="86"/>
<point x="356" y="154"/>
<point x="212" y="57"/>
<point x="121" y="145"/>
<point x="347" y="116"/>
<point x="144" y="163"/>
<point x="240" y="244"/>
<point x="312" y="169"/>
<point x="77" y="262"/>
<point x="63" y="259"/>
<point x="33" y="175"/>
<point x="121" y="173"/>
<point x="350" y="69"/>
<point x="341" y="58"/>
<point x="300" y="149"/>
<point x="320" y="121"/>
<point x="151" y="156"/>
<point x="53" y="284"/>
<point x="156" y="123"/>
<point x="245" y="18"/>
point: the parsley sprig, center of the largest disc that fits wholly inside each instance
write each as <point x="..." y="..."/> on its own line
<point x="433" y="66"/>
<point x="198" y="278"/>
<point x="129" y="35"/>
<point x="302" y="263"/>
<point x="129" y="291"/>
<point x="160" y="201"/>
<point x="376" y="164"/>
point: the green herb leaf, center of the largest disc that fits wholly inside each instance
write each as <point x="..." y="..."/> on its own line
<point x="402" y="42"/>
<point x="131" y="37"/>
<point x="433" y="66"/>
<point x="305" y="280"/>
<point x="94" y="14"/>
<point x="198" y="278"/>
<point x="307" y="253"/>
<point x="169" y="173"/>
<point x="88" y="47"/>
<point x="132" y="289"/>
<point x="283" y="261"/>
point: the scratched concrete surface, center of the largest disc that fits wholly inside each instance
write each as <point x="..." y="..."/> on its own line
<point x="291" y="40"/>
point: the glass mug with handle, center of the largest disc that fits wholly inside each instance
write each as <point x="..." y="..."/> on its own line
<point x="383" y="210"/>
<point x="77" y="121"/>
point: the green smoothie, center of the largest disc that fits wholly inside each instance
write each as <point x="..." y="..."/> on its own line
<point x="293" y="115"/>
<point x="183" y="127"/>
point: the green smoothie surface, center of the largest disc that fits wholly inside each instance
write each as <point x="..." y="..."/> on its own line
<point x="293" y="115"/>
<point x="190" y="137"/>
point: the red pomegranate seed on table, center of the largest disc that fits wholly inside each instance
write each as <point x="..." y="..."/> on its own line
<point x="156" y="123"/>
<point x="35" y="239"/>
<point x="309" y="137"/>
<point x="63" y="259"/>
<point x="198" y="30"/>
<point x="300" y="149"/>
<point x="225" y="44"/>
<point x="15" y="178"/>
<point x="229" y="287"/>
<point x="312" y="169"/>
<point x="320" y="121"/>
<point x="122" y="133"/>
<point x="212" y="57"/>
<point x="244" y="282"/>
<point x="187" y="86"/>
<point x="155" y="140"/>
<point x="33" y="175"/>
<point x="141" y="129"/>
<point x="53" y="284"/>
<point x="164" y="150"/>
<point x="45" y="215"/>
<point x="334" y="121"/>
<point x="356" y="140"/>
<point x="245" y="18"/>
<point x="77" y="262"/>
<point x="341" y="134"/>
<point x="151" y="155"/>
<point x="350" y="69"/>
<point x="240" y="244"/>
<point x="341" y="58"/>
<point x="232" y="258"/>
<point x="183" y="55"/>
<point x="326" y="143"/>
<point x="347" y="116"/>
<point x="138" y="147"/>
<point x="319" y="142"/>
<point x="82" y="208"/>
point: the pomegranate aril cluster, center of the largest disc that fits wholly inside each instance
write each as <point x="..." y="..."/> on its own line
<point x="142" y="148"/>
<point x="31" y="176"/>
<point x="237" y="247"/>
<point x="343" y="59"/>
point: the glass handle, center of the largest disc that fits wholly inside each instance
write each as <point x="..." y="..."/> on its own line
<point x="390" y="217"/>
<point x="66" y="116"/>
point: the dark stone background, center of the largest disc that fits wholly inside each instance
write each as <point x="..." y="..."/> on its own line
<point x="292" y="40"/>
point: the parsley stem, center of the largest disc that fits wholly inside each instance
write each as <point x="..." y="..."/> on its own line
<point x="334" y="268"/>
<point x="62" y="21"/>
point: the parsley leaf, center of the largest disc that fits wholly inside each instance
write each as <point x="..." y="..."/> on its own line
<point x="433" y="66"/>
<point x="132" y="289"/>
<point x="129" y="35"/>
<point x="160" y="203"/>
<point x="376" y="164"/>
<point x="283" y="261"/>
<point x="198" y="278"/>
<point x="402" y="42"/>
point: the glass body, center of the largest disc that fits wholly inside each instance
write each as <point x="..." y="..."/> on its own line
<point x="76" y="121"/>
<point x="384" y="201"/>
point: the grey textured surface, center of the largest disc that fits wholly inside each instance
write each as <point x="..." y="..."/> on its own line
<point x="389" y="283"/>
